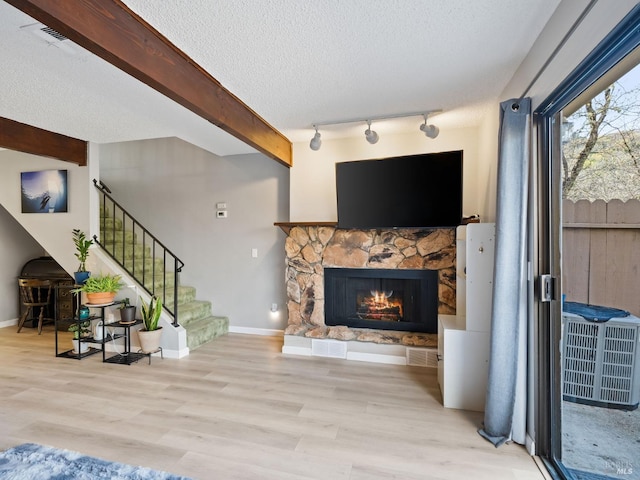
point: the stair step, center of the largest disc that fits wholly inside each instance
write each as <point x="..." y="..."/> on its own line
<point x="186" y="295"/>
<point x="193" y="311"/>
<point x="206" y="329"/>
<point x="128" y="237"/>
<point x="108" y="222"/>
<point x="194" y="315"/>
<point x="129" y="251"/>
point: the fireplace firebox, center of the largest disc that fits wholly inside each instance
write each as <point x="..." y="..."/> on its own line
<point x="405" y="300"/>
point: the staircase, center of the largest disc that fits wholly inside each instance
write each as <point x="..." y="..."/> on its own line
<point x="136" y="257"/>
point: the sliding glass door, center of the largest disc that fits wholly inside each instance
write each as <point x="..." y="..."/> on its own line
<point x="588" y="232"/>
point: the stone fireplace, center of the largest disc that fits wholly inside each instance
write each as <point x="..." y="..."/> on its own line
<point x="385" y="299"/>
<point x="312" y="248"/>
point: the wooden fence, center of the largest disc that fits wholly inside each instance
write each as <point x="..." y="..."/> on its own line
<point x="601" y="253"/>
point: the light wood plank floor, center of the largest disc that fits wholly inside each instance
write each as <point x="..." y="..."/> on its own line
<point x="239" y="409"/>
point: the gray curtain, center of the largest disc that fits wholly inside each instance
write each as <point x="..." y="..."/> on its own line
<point x="505" y="411"/>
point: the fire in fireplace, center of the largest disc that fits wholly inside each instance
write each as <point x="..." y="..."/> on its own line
<point x="405" y="300"/>
<point x="379" y="305"/>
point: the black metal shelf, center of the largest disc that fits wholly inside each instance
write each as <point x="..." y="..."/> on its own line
<point x="125" y="358"/>
<point x="79" y="355"/>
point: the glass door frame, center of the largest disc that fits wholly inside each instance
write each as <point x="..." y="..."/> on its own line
<point x="547" y="230"/>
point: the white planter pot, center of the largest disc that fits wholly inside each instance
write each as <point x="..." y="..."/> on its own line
<point x="80" y="347"/>
<point x="150" y="341"/>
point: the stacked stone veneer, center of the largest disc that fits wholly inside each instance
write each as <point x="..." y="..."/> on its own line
<point x="310" y="249"/>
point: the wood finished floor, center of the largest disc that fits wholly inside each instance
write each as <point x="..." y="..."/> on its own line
<point x="239" y="409"/>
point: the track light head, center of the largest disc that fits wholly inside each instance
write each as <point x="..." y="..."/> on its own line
<point x="430" y="131"/>
<point x="316" y="141"/>
<point x="371" y="136"/>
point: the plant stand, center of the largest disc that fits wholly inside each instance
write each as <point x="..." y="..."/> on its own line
<point x="127" y="357"/>
<point x="148" y="354"/>
<point x="79" y="355"/>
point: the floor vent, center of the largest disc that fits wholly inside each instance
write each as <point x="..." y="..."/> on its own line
<point x="328" y="348"/>
<point x="421" y="357"/>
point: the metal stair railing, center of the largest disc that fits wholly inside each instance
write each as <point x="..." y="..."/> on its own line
<point x="155" y="259"/>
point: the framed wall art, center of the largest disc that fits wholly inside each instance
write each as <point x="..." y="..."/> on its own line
<point x="44" y="191"/>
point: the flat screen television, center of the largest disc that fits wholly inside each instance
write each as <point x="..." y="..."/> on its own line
<point x="414" y="191"/>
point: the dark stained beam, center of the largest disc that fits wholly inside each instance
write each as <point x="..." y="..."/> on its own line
<point x="110" y="30"/>
<point x="25" y="138"/>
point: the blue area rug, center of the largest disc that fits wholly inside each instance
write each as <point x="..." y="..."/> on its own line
<point x="37" y="462"/>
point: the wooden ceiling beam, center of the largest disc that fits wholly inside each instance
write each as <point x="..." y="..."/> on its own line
<point x="25" y="138"/>
<point x="113" y="32"/>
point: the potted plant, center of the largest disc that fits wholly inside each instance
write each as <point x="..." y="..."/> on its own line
<point x="101" y="289"/>
<point x="149" y="336"/>
<point x="80" y="330"/>
<point x="127" y="311"/>
<point x="82" y="252"/>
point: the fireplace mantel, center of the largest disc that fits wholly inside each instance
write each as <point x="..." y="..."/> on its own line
<point x="287" y="226"/>
<point x="312" y="246"/>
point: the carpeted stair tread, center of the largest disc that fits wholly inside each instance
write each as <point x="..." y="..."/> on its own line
<point x="107" y="237"/>
<point x="206" y="329"/>
<point x="194" y="316"/>
<point x="186" y="295"/>
<point x="193" y="311"/>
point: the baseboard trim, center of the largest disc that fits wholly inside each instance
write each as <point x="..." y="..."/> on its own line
<point x="268" y="332"/>
<point x="9" y="323"/>
<point x="304" y="347"/>
<point x="376" y="358"/>
<point x="530" y="445"/>
<point x="304" y="351"/>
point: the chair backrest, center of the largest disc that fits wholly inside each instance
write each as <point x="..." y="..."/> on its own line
<point x="34" y="291"/>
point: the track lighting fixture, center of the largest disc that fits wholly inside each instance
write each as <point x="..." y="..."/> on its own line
<point x="371" y="136"/>
<point x="315" y="142"/>
<point x="431" y="131"/>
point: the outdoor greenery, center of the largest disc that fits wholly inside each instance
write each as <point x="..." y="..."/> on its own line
<point x="101" y="283"/>
<point x="82" y="248"/>
<point x="151" y="313"/>
<point x="601" y="147"/>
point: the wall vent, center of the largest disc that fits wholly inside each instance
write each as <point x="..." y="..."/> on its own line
<point x="422" y="357"/>
<point x="328" y="348"/>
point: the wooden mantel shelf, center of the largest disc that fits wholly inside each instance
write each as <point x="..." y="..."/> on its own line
<point x="287" y="226"/>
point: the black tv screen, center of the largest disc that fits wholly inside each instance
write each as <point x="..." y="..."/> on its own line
<point x="401" y="192"/>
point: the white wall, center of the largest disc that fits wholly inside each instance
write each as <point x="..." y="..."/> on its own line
<point x="52" y="231"/>
<point x="172" y="188"/>
<point x="16" y="247"/>
<point x="313" y="184"/>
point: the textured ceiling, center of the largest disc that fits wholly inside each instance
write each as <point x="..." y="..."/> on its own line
<point x="294" y="62"/>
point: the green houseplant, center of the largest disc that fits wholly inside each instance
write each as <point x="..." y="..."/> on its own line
<point x="127" y="311"/>
<point x="150" y="335"/>
<point x="82" y="252"/>
<point x="101" y="289"/>
<point x="80" y="330"/>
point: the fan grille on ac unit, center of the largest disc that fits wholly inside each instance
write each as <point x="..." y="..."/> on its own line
<point x="600" y="364"/>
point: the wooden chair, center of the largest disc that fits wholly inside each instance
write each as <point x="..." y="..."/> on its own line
<point x="34" y="293"/>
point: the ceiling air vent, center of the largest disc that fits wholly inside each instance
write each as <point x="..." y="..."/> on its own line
<point x="51" y="37"/>
<point x="53" y="33"/>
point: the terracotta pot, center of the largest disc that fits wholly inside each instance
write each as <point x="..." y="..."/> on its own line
<point x="100" y="298"/>
<point x="150" y="341"/>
